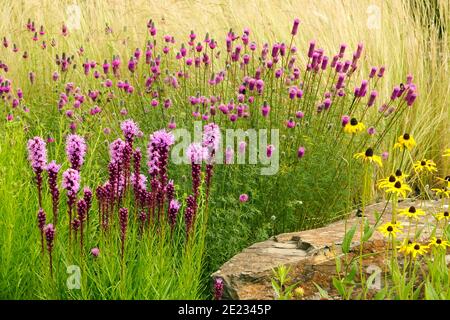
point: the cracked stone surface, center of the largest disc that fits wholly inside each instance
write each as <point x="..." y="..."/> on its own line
<point x="311" y="254"/>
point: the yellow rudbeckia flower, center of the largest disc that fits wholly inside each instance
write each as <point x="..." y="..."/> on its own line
<point x="390" y="228"/>
<point x="443" y="192"/>
<point x="425" y="166"/>
<point x="438" y="243"/>
<point x="418" y="249"/>
<point x="405" y="248"/>
<point x="392" y="179"/>
<point x="400" y="188"/>
<point x="354" y="126"/>
<point x="369" y="156"/>
<point x="412" y="212"/>
<point x="405" y="141"/>
<point x="442" y="215"/>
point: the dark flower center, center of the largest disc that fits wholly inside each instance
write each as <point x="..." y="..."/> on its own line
<point x="423" y="162"/>
<point x="416" y="247"/>
<point x="398" y="185"/>
<point x="369" y="152"/>
<point x="392" y="179"/>
<point x="446" y="214"/>
<point x="409" y="241"/>
<point x="406" y="136"/>
<point x="353" y="122"/>
<point x="412" y="209"/>
<point x="438" y="241"/>
<point x="398" y="173"/>
<point x="447" y="178"/>
<point x="390" y="229"/>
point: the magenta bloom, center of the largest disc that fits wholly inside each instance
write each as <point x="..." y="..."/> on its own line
<point x="269" y="150"/>
<point x="95" y="252"/>
<point x="345" y="120"/>
<point x="301" y="152"/>
<point x="243" y="198"/>
<point x="130" y="129"/>
<point x="37" y="154"/>
<point x="385" y="155"/>
<point x="295" y="26"/>
<point x="76" y="150"/>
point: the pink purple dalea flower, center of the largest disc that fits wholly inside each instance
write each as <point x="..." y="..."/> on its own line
<point x="95" y="252"/>
<point x="130" y="130"/>
<point x="301" y="152"/>
<point x="37" y="154"/>
<point x="243" y="198"/>
<point x="76" y="150"/>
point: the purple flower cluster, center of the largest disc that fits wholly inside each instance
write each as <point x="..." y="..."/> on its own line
<point x="130" y="130"/>
<point x="52" y="172"/>
<point x="174" y="207"/>
<point x="37" y="155"/>
<point x="75" y="150"/>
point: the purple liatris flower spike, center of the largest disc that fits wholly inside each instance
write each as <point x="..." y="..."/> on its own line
<point x="158" y="153"/>
<point x="170" y="191"/>
<point x="52" y="172"/>
<point x="116" y="150"/>
<point x="75" y="150"/>
<point x="196" y="153"/>
<point x="37" y="155"/>
<point x="49" y="231"/>
<point x="123" y="220"/>
<point x="130" y="130"/>
<point x="174" y="207"/>
<point x="71" y="183"/>
<point x="211" y="139"/>
<point x="87" y="197"/>
<point x="41" y="218"/>
<point x="218" y="288"/>
<point x="189" y="213"/>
